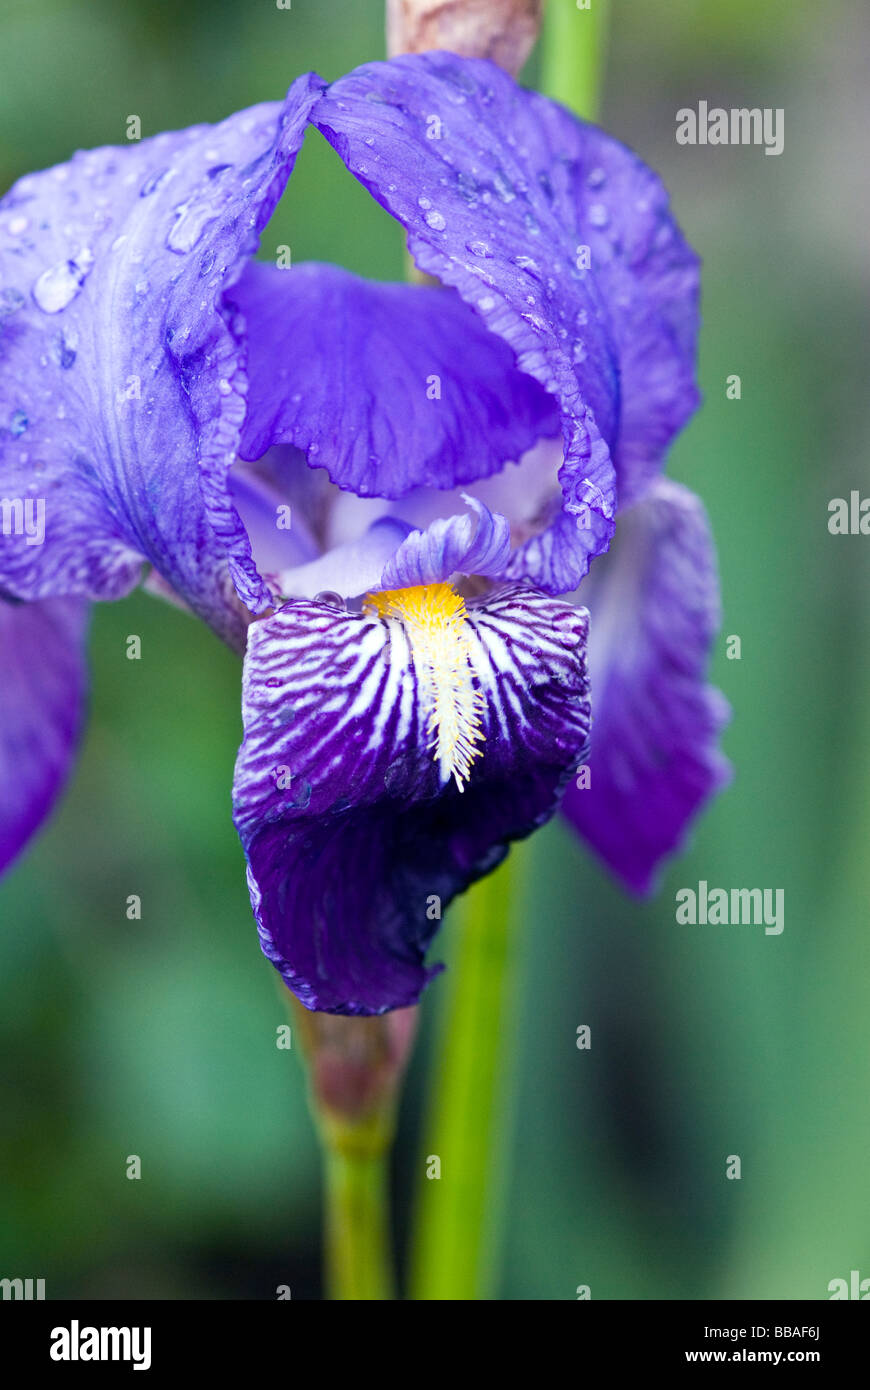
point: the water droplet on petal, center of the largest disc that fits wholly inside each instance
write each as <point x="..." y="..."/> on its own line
<point x="486" y="303"/>
<point x="467" y="187"/>
<point x="153" y="182"/>
<point x="10" y="302"/>
<point x="63" y="348"/>
<point x="436" y="221"/>
<point x="191" y="220"/>
<point x="424" y="202"/>
<point x="595" y="178"/>
<point x="17" y="423"/>
<point x="478" y="248"/>
<point x="598" y="215"/>
<point x="300" y="794"/>
<point x="395" y="775"/>
<point x="16" y="225"/>
<point x="329" y="596"/>
<point x="462" y="79"/>
<point x="503" y="186"/>
<point x="58" y="286"/>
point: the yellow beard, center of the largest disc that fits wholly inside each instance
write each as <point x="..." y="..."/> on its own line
<point x="434" y="619"/>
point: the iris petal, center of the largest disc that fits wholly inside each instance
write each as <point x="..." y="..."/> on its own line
<point x="121" y="387"/>
<point x="654" y="605"/>
<point x="351" y="569"/>
<point x="503" y="193"/>
<point x="42" y="694"/>
<point x="452" y="545"/>
<point x="387" y="387"/>
<point x="350" y="832"/>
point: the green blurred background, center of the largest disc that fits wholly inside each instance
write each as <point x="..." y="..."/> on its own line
<point x="157" y="1037"/>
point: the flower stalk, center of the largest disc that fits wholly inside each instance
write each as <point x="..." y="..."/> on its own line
<point x="573" y="49"/>
<point x="355" y="1067"/>
<point x="457" y="1245"/>
<point x="356" y="1212"/>
<point x="469" y="1128"/>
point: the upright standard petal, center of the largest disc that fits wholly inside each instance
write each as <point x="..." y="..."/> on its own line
<point x="122" y="391"/>
<point x="386" y="387"/>
<point x="562" y="241"/>
<point x="42" y="696"/>
<point x="654" y="761"/>
<point x="360" y="731"/>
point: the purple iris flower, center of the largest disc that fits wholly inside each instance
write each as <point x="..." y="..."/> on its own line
<point x="385" y="496"/>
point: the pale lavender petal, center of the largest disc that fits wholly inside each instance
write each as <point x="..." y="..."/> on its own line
<point x="349" y="570"/>
<point x="279" y="532"/>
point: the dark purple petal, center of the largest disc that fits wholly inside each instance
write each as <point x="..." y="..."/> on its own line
<point x="387" y="387"/>
<point x="500" y="190"/>
<point x="42" y="697"/>
<point x="654" y="605"/>
<point x="351" y="860"/>
<point x="454" y="545"/>
<point x="121" y="387"/>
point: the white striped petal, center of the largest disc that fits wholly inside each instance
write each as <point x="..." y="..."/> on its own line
<point x="351" y="815"/>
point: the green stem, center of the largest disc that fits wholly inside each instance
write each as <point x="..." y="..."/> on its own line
<point x="572" y="57"/>
<point x="457" y="1230"/>
<point x="358" y="1263"/>
<point x="355" y="1067"/>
